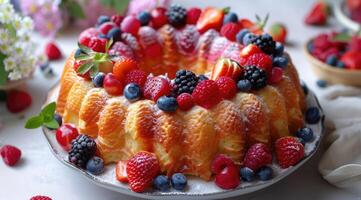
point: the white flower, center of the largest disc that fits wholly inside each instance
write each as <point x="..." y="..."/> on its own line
<point x="10" y="63"/>
<point x="27" y="24"/>
<point x="15" y="75"/>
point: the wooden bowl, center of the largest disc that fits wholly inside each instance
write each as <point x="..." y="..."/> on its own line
<point x="332" y="74"/>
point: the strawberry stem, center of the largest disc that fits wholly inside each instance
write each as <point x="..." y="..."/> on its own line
<point x="226" y="10"/>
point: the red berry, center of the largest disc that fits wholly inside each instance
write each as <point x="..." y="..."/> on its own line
<point x="352" y="59"/>
<point x="121" y="49"/>
<point x="117" y="19"/>
<point x="131" y="25"/>
<point x="112" y="85"/>
<point x="278" y="32"/>
<point x="185" y="101"/>
<point x="355" y="44"/>
<point x="39" y="197"/>
<point x="227" y="173"/>
<point x="227" y="87"/>
<point x="220" y="162"/>
<point x="250" y="50"/>
<point x="289" y="151"/>
<point x="156" y="87"/>
<point x="52" y="51"/>
<point x="206" y="94"/>
<point x="65" y="134"/>
<point x="122" y="67"/>
<point x="106" y="27"/>
<point x="18" y="101"/>
<point x="159" y="17"/>
<point x="261" y="60"/>
<point x="193" y="15"/>
<point x="76" y="66"/>
<point x="86" y="35"/>
<point x="318" y="14"/>
<point x="257" y="156"/>
<point x="188" y="39"/>
<point x="141" y="170"/>
<point x="138" y="77"/>
<point x="97" y="44"/>
<point x="276" y="75"/>
<point x="230" y="31"/>
<point x="121" y="171"/>
<point x="322" y="42"/>
<point x="10" y="154"/>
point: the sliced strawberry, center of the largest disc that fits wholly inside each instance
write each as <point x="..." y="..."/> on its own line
<point x="250" y="50"/>
<point x="156" y="87"/>
<point x="211" y="18"/>
<point x="121" y="172"/>
<point x="226" y="67"/>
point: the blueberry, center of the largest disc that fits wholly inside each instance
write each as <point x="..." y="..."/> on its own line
<point x="102" y="36"/>
<point x="310" y="47"/>
<point x="58" y="118"/>
<point x="313" y="115"/>
<point x="247" y="39"/>
<point x="265" y="173"/>
<point x="340" y="64"/>
<point x="115" y="33"/>
<point x="95" y="165"/>
<point x="161" y="183"/>
<point x="244" y="85"/>
<point x="247" y="174"/>
<point x="98" y="79"/>
<point x="2" y="95"/>
<point x="167" y="104"/>
<point x="305" y="88"/>
<point x="179" y="181"/>
<point x="132" y="92"/>
<point x="280" y="61"/>
<point x="230" y="17"/>
<point x="202" y="77"/>
<point x="44" y="67"/>
<point x="305" y="133"/>
<point x="240" y="35"/>
<point x="144" y="18"/>
<point x="102" y="19"/>
<point x="279" y="49"/>
<point x="321" y="83"/>
<point x="331" y="60"/>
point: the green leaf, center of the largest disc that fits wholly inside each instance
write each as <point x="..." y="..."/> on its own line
<point x="53" y="124"/>
<point x="85" y="49"/>
<point x="342" y="37"/>
<point x="94" y="70"/>
<point x="82" y="57"/>
<point x="226" y="10"/>
<point x="84" y="68"/>
<point x="75" y="10"/>
<point x="108" y="44"/>
<point x="49" y="110"/>
<point x="34" y="122"/>
<point x="3" y="73"/>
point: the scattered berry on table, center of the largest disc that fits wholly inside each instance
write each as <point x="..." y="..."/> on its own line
<point x="121" y="171"/>
<point x="202" y="77"/>
<point x="206" y="94"/>
<point x="115" y="34"/>
<point x="10" y="154"/>
<point x="179" y="181"/>
<point x="141" y="169"/>
<point x="226" y="171"/>
<point x="318" y="14"/>
<point x="278" y="32"/>
<point x="117" y="19"/>
<point x="95" y="165"/>
<point x="193" y="15"/>
<point x="185" y="82"/>
<point x="331" y="60"/>
<point x="40" y="197"/>
<point x="276" y="75"/>
<point x="102" y="19"/>
<point x="248" y="38"/>
<point x="257" y="156"/>
<point x="82" y="149"/>
<point x="132" y="92"/>
<point x="240" y="35"/>
<point x="227" y="87"/>
<point x="321" y="83"/>
<point x="313" y="115"/>
<point x="264" y="42"/>
<point x="167" y="104"/>
<point x="161" y="183"/>
<point x="279" y="48"/>
<point x="3" y="95"/>
<point x="144" y="17"/>
<point x="159" y="17"/>
<point x="65" y="134"/>
<point x="230" y="31"/>
<point x="58" y="119"/>
<point x="136" y="76"/>
<point x="112" y="85"/>
<point x="185" y="101"/>
<point x="265" y="173"/>
<point x="304" y="88"/>
<point x="280" y="61"/>
<point x="257" y="77"/>
<point x="244" y="85"/>
<point x="230" y="17"/>
<point x="261" y="60"/>
<point x="52" y="51"/>
<point x="177" y="15"/>
<point x="289" y="151"/>
<point x="106" y="27"/>
<point x="130" y="24"/>
<point x="98" y="79"/>
<point x="17" y="101"/>
<point x="156" y="87"/>
<point x="247" y="174"/>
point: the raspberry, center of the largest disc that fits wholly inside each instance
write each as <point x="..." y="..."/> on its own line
<point x="18" y="101"/>
<point x="97" y="44"/>
<point x="156" y="87"/>
<point x="130" y="24"/>
<point x="257" y="156"/>
<point x="141" y="169"/>
<point x="185" y="101"/>
<point x="121" y="49"/>
<point x="117" y="19"/>
<point x="39" y="197"/>
<point x="159" y="17"/>
<point x="322" y="42"/>
<point x="138" y="77"/>
<point x="260" y="60"/>
<point x="193" y="15"/>
<point x="227" y="173"/>
<point x="206" y="94"/>
<point x="10" y="154"/>
<point x="52" y="51"/>
<point x="86" y="35"/>
<point x="289" y="151"/>
<point x="188" y="39"/>
<point x="220" y="162"/>
<point x="106" y="27"/>
<point x="227" y="87"/>
<point x="276" y="75"/>
<point x="230" y="31"/>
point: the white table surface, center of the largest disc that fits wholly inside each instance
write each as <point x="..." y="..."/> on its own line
<point x="41" y="173"/>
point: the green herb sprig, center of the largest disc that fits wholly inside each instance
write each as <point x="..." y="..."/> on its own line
<point x="261" y="23"/>
<point x="44" y="118"/>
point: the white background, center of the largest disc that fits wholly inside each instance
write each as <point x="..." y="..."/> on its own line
<point x="40" y="173"/>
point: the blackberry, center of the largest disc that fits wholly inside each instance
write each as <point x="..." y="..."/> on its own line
<point x="177" y="15"/>
<point x="265" y="42"/>
<point x="185" y="82"/>
<point x="257" y="77"/>
<point x="82" y="149"/>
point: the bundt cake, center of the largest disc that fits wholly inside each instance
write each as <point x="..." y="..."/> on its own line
<point x="184" y="89"/>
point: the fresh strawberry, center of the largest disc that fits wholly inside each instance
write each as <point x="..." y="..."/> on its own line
<point x="226" y="67"/>
<point x="257" y="156"/>
<point x="159" y="17"/>
<point x="136" y="76"/>
<point x="121" y="171"/>
<point x="121" y="49"/>
<point x="130" y="24"/>
<point x="112" y="85"/>
<point x="352" y="59"/>
<point x="97" y="44"/>
<point x="124" y="66"/>
<point x="86" y="35"/>
<point x="355" y="43"/>
<point x="289" y="151"/>
<point x="278" y="32"/>
<point x="227" y="87"/>
<point x="193" y="15"/>
<point x="260" y="60"/>
<point x="250" y="50"/>
<point x="276" y="75"/>
<point x="141" y="169"/>
<point x="40" y="197"/>
<point x="156" y="87"/>
<point x="76" y="66"/>
<point x="318" y="14"/>
<point x="52" y="51"/>
<point x="117" y="19"/>
<point x="18" y="101"/>
<point x="206" y="94"/>
<point x="188" y="39"/>
<point x="10" y="154"/>
<point x="230" y="31"/>
<point x="251" y="26"/>
<point x="185" y="101"/>
<point x="227" y="173"/>
<point x="211" y="18"/>
<point x="106" y="27"/>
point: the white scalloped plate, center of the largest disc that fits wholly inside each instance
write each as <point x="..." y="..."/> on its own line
<point x="340" y="12"/>
<point x="197" y="188"/>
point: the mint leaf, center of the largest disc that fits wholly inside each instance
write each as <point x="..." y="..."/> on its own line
<point x="84" y="68"/>
<point x="49" y="110"/>
<point x="3" y="72"/>
<point x="85" y="49"/>
<point x="53" y="124"/>
<point x="342" y="37"/>
<point x="82" y="57"/>
<point x="94" y="70"/>
<point x="34" y="122"/>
